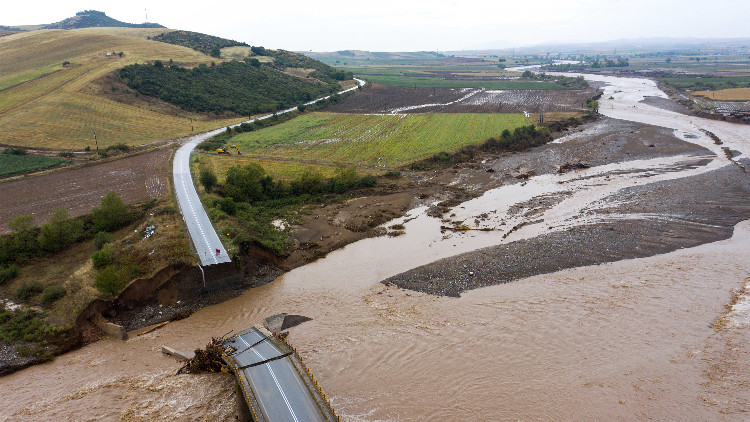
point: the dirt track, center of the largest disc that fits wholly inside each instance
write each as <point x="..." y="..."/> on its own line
<point x="136" y="178"/>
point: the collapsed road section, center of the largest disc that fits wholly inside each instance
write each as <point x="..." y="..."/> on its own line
<point x="275" y="380"/>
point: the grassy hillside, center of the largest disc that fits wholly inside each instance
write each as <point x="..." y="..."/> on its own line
<point x="60" y="87"/>
<point x="46" y="105"/>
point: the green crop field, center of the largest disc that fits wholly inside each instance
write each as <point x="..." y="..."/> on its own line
<point x="12" y="164"/>
<point x="383" y="141"/>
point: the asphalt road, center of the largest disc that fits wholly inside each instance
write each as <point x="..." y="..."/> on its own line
<point x="204" y="237"/>
<point x="278" y="388"/>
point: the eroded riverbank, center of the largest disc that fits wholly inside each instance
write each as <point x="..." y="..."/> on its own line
<point x="626" y="340"/>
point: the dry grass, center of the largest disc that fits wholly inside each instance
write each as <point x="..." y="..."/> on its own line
<point x="72" y="267"/>
<point x="54" y="111"/>
<point x="732" y="94"/>
<point x="279" y="169"/>
<point x="235" y="53"/>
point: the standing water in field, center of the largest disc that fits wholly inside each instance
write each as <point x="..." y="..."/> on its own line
<point x="631" y="340"/>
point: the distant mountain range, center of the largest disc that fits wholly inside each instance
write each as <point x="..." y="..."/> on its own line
<point x="95" y="18"/>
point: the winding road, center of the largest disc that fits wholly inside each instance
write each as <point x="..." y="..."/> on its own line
<point x="204" y="237"/>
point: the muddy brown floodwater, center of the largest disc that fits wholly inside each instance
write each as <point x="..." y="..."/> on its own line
<point x="656" y="338"/>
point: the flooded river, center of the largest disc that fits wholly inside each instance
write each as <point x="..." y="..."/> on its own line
<point x="631" y="340"/>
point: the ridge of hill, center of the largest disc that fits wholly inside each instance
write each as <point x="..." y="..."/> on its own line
<point x="60" y="87"/>
<point x="95" y="18"/>
<point x="207" y="44"/>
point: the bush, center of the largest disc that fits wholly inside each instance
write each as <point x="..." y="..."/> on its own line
<point x="109" y="282"/>
<point x="103" y="257"/>
<point x="111" y="214"/>
<point x="228" y="205"/>
<point x="368" y="181"/>
<point x="28" y="289"/>
<point x="24" y="326"/>
<point x="7" y="274"/>
<point x="101" y="239"/>
<point x="60" y="231"/>
<point x="52" y="293"/>
<point x="207" y="179"/>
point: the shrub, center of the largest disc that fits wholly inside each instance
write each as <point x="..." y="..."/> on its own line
<point x="207" y="179"/>
<point x="368" y="181"/>
<point x="28" y="289"/>
<point x="7" y="274"/>
<point x="101" y="239"/>
<point x="52" y="293"/>
<point x="228" y="205"/>
<point x="109" y="282"/>
<point x="60" y="231"/>
<point x="111" y="214"/>
<point x="103" y="257"/>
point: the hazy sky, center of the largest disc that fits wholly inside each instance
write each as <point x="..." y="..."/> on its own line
<point x="404" y="25"/>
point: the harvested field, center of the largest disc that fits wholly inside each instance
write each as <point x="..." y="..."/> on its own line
<point x="731" y="94"/>
<point x="136" y="178"/>
<point x="389" y="99"/>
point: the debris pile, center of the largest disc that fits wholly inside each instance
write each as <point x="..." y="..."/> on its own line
<point x="206" y="360"/>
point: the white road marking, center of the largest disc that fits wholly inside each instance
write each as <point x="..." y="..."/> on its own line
<point x="289" y="406"/>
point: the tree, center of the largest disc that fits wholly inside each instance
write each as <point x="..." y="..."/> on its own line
<point x="60" y="231"/>
<point x="215" y="51"/>
<point x="207" y="179"/>
<point x="108" y="281"/>
<point x="243" y="183"/>
<point x="111" y="214"/>
<point x="23" y="239"/>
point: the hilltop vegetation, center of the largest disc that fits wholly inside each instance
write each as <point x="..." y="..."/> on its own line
<point x="92" y="18"/>
<point x="241" y="87"/>
<point x="44" y="104"/>
<point x="206" y="44"/>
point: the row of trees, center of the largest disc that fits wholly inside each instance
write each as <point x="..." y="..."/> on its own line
<point x="27" y="240"/>
<point x="255" y="199"/>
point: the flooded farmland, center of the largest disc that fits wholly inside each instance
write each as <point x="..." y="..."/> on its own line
<point x="653" y="337"/>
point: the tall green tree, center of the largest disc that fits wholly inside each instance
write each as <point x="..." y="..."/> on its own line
<point x="23" y="237"/>
<point x="243" y="182"/>
<point x="60" y="231"/>
<point x="111" y="214"/>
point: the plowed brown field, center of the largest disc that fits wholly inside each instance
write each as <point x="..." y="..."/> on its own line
<point x="136" y="178"/>
<point x="392" y="99"/>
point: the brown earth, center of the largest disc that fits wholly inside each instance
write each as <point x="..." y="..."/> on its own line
<point x="135" y="178"/>
<point x="388" y="99"/>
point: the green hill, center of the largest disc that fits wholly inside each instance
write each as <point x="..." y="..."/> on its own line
<point x="94" y="18"/>
<point x="207" y="44"/>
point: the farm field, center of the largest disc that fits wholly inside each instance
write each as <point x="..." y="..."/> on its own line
<point x="12" y="164"/>
<point x="53" y="110"/>
<point x="441" y="82"/>
<point x="382" y="141"/>
<point x="731" y="94"/>
<point x="388" y="99"/>
<point x="134" y="179"/>
<point x="280" y="168"/>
